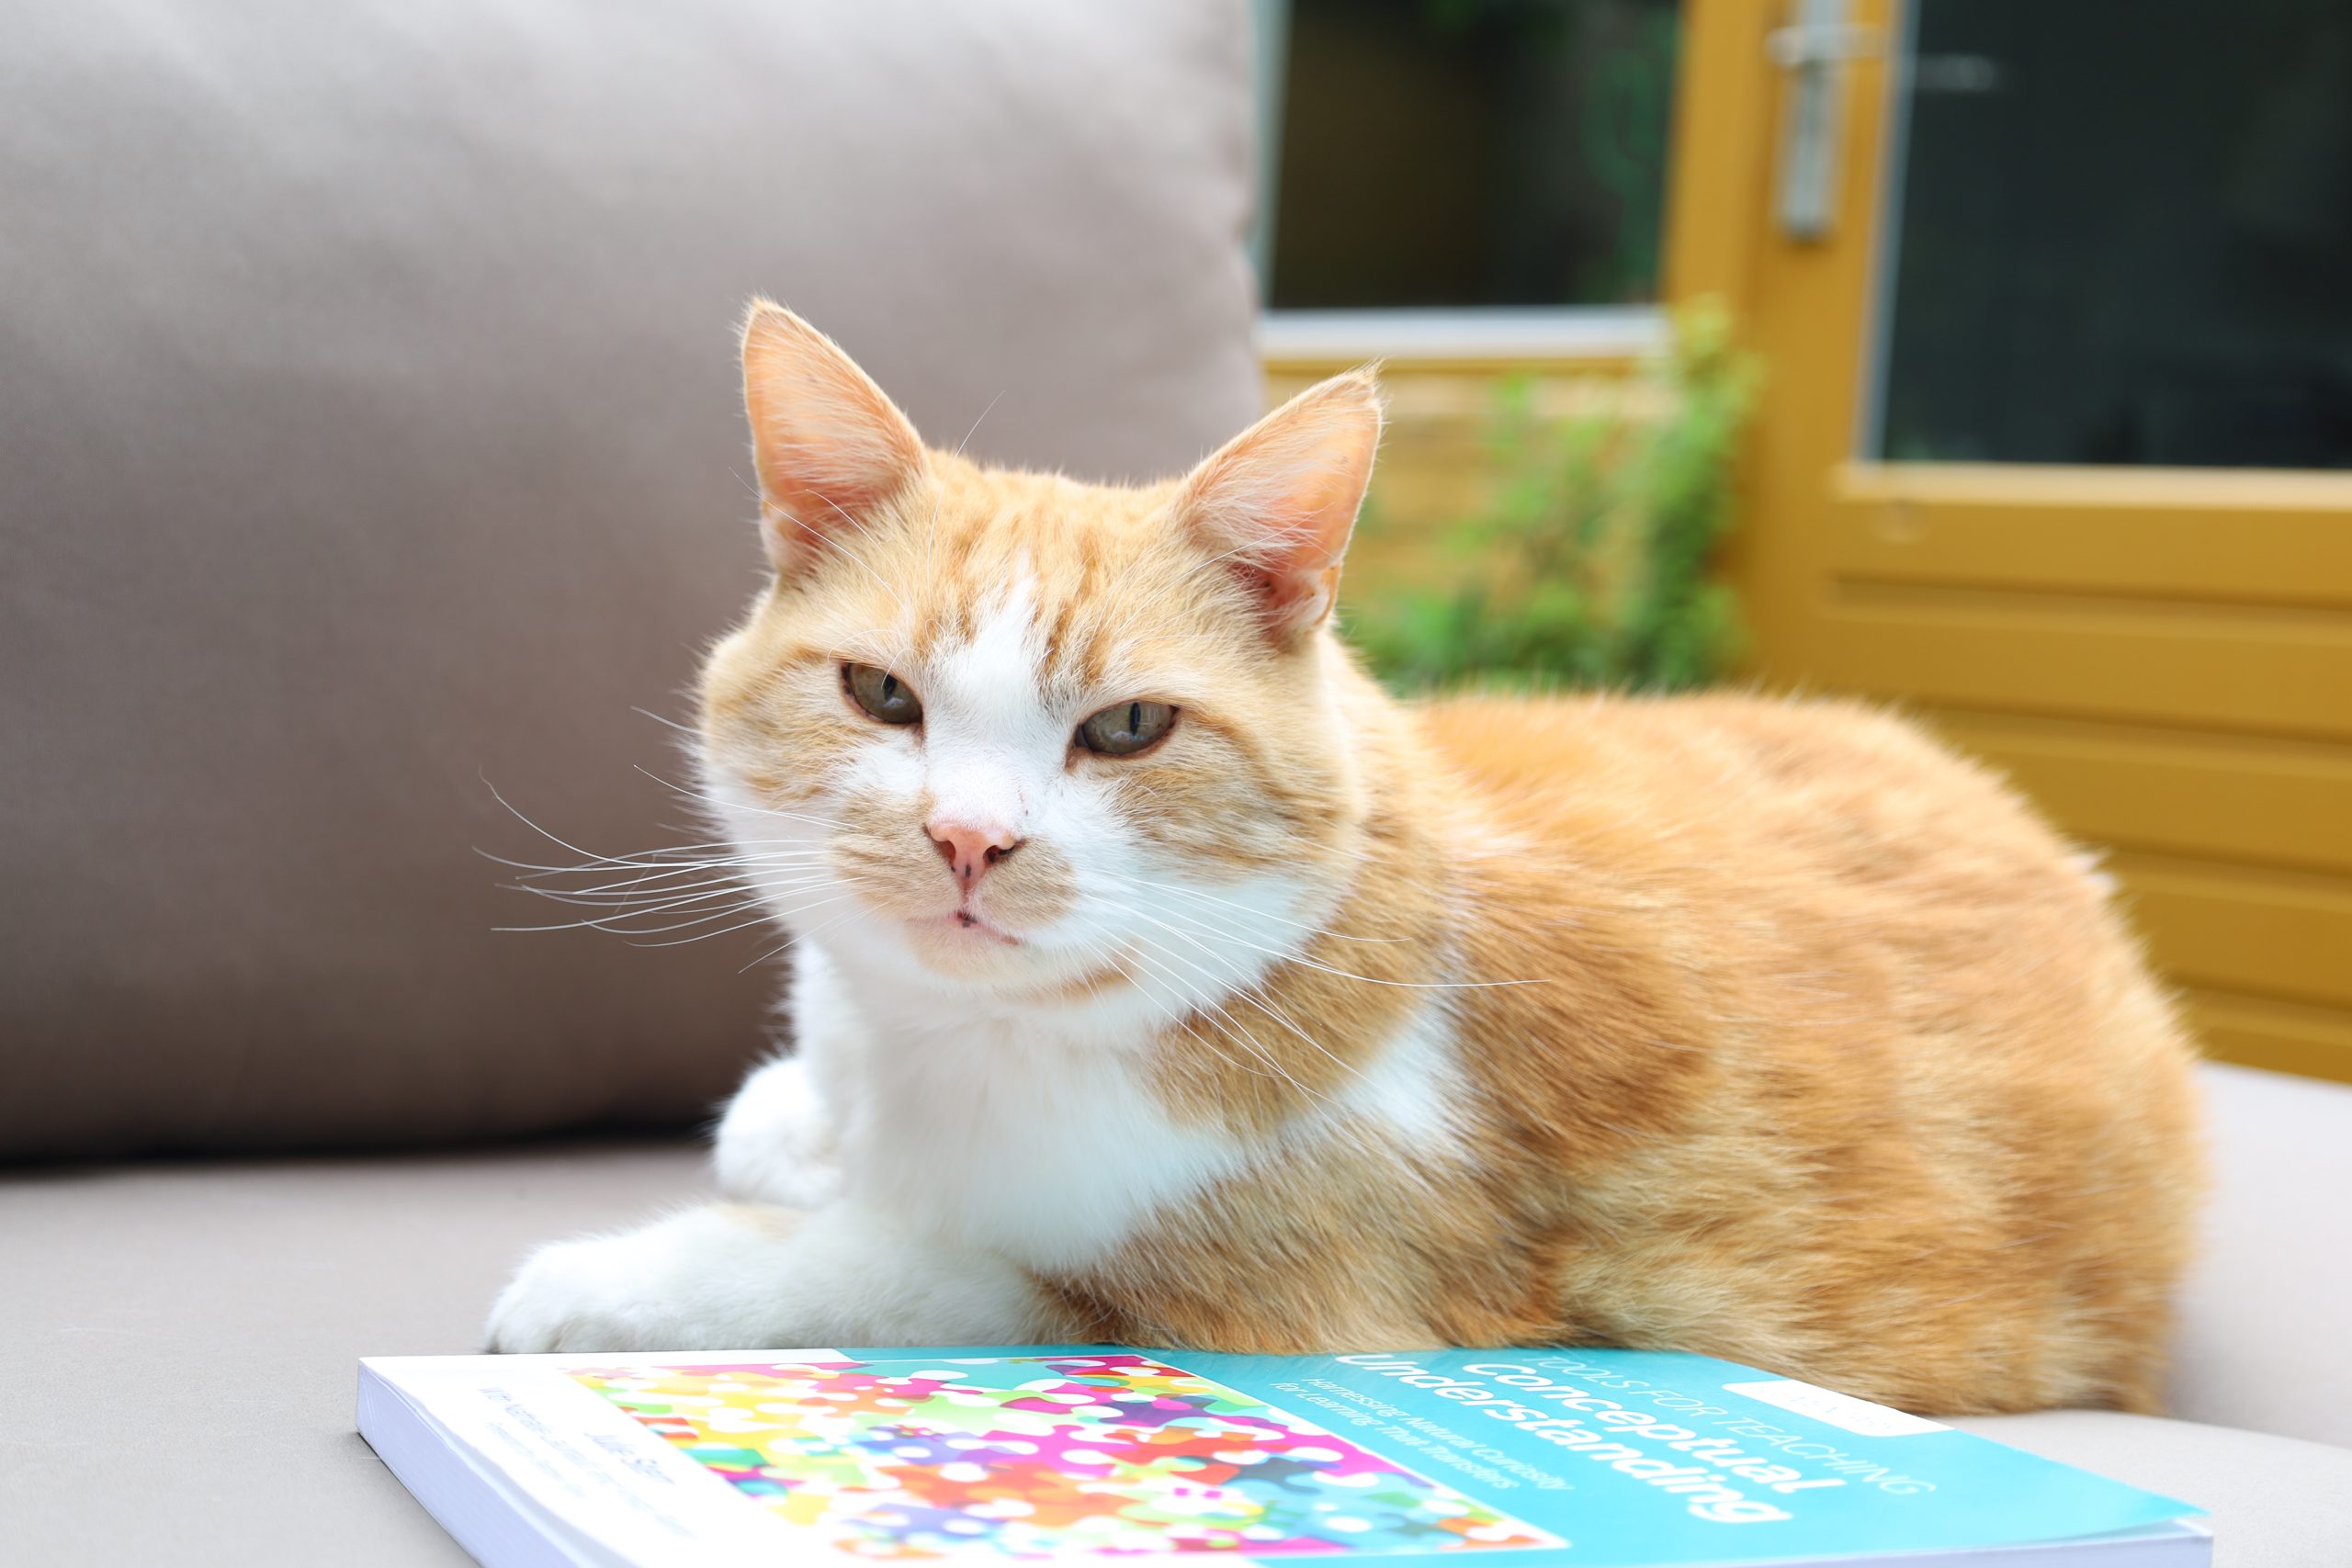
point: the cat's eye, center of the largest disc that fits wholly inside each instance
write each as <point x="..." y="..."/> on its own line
<point x="1125" y="728"/>
<point x="882" y="695"/>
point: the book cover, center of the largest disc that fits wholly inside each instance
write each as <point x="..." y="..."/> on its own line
<point x="1515" y="1459"/>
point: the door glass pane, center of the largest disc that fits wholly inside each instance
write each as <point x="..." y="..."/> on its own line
<point x="2124" y="235"/>
<point x="1440" y="153"/>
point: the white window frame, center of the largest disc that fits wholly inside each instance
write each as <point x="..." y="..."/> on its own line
<point x="1469" y="331"/>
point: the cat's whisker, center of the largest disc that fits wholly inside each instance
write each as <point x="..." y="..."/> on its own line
<point x="681" y="896"/>
<point x="1254" y="995"/>
<point x="684" y="857"/>
<point x="749" y="488"/>
<point x="655" y="861"/>
<point x="833" y="539"/>
<point x="1191" y="923"/>
<point x="1210" y="999"/>
<point x="1207" y="1008"/>
<point x="1305" y="962"/>
<point x="975" y="423"/>
<point x="658" y="884"/>
<point x="686" y="730"/>
<point x="1171" y="1014"/>
<point x="668" y="898"/>
<point x="686" y="893"/>
<point x="799" y="937"/>
<point x="769" y="915"/>
<point x="760" y="920"/>
<point x="706" y="798"/>
<point x="562" y="843"/>
<point x="657" y="900"/>
<point x="693" y="849"/>
<point x="1252" y="912"/>
<point x="624" y="924"/>
<point x="538" y="879"/>
<point x="759" y="910"/>
<point x="703" y="884"/>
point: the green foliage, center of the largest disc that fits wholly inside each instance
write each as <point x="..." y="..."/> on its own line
<point x="1591" y="568"/>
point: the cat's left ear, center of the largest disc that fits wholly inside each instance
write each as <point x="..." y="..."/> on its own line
<point x="1276" y="504"/>
<point x="831" y="449"/>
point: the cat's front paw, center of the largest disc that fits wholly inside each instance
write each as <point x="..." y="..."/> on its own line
<point x="710" y="1278"/>
<point x="575" y="1295"/>
<point x="664" y="1287"/>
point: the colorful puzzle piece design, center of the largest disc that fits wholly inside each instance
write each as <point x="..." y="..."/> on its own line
<point x="1027" y="1457"/>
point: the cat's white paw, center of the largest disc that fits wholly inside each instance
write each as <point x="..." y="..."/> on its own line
<point x="776" y="1141"/>
<point x="577" y="1295"/>
<point x="613" y="1292"/>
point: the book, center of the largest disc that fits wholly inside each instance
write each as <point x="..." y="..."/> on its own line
<point x="1504" y="1459"/>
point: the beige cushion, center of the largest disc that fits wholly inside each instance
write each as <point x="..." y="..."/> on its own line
<point x="203" y="1323"/>
<point x="2274" y="1502"/>
<point x="2265" y="1322"/>
<point x="371" y="428"/>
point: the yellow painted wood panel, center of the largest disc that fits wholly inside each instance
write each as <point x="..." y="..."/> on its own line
<point x="2186" y="792"/>
<point x="2243" y="929"/>
<point x="2216" y="667"/>
<point x="2213" y="534"/>
<point x="1719" y="188"/>
<point x="2261" y="1032"/>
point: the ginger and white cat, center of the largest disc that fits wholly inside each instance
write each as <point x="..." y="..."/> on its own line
<point x="1159" y="979"/>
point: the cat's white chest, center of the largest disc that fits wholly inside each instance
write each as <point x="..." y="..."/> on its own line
<point x="1003" y="1131"/>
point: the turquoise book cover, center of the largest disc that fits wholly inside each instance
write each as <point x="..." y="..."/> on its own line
<point x="1570" y="1458"/>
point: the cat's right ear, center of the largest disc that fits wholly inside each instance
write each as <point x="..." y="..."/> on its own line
<point x="1276" y="504"/>
<point x="829" y="446"/>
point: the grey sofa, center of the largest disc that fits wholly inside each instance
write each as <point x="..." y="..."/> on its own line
<point x="198" y="1323"/>
<point x="367" y="439"/>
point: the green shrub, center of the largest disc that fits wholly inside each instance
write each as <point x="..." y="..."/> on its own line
<point x="1592" y="567"/>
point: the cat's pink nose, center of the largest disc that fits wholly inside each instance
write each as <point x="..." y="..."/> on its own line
<point x="969" y="850"/>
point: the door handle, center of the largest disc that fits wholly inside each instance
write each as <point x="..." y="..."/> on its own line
<point x="1814" y="49"/>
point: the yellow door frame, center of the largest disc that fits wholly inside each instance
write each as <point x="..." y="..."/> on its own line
<point x="2162" y="657"/>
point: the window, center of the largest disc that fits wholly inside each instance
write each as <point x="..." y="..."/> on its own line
<point x="1464" y="155"/>
<point x="2124" y="244"/>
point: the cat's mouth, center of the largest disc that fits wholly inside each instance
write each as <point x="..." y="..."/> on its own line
<point x="962" y="926"/>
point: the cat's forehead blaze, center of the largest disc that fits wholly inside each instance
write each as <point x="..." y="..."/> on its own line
<point x="1086" y="595"/>
<point x="1106" y="595"/>
<point x="1094" y="571"/>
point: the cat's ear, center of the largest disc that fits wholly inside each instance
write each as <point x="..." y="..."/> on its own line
<point x="1276" y="504"/>
<point x="828" y="444"/>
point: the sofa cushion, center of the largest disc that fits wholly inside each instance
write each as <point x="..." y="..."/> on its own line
<point x="2262" y="1340"/>
<point x="215" y="1314"/>
<point x="2275" y="1502"/>
<point x="371" y="429"/>
<point x="205" y="1322"/>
